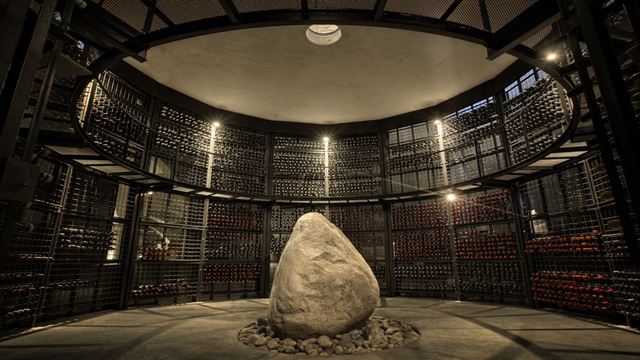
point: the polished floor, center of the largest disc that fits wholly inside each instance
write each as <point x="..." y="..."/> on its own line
<point x="450" y="330"/>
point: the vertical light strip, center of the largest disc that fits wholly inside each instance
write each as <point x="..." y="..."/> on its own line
<point x="212" y="144"/>
<point x="326" y="172"/>
<point x="82" y="115"/>
<point x="443" y="157"/>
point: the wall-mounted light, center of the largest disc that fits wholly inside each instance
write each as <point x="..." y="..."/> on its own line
<point x="451" y="197"/>
<point x="439" y="127"/>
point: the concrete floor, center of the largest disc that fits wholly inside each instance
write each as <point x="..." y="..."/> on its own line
<point x="450" y="330"/>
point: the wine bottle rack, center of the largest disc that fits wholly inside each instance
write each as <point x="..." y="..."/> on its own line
<point x="66" y="253"/>
<point x="91" y="196"/>
<point x="231" y="280"/>
<point x="575" y="245"/>
<point x="298" y="167"/>
<point x="363" y="225"/>
<point x="422" y="244"/>
<point x="419" y="215"/>
<point x="171" y="227"/>
<point x="535" y="117"/>
<point x="82" y="238"/>
<point x="74" y="288"/>
<point x="235" y="232"/>
<point x="73" y="245"/>
<point x="574" y="240"/>
<point x="164" y="283"/>
<point x="239" y="160"/>
<point x="283" y="218"/>
<point x="180" y="145"/>
<point x="463" y="145"/>
<point x="485" y="207"/>
<point x="420" y="231"/>
<point x="413" y="158"/>
<point x="173" y="209"/>
<point x="440" y="248"/>
<point x="486" y="242"/>
<point x="421" y="235"/>
<point x="491" y="281"/>
<point x="472" y="141"/>
<point x="170" y="141"/>
<point x="354" y="166"/>
<point x="349" y="219"/>
<point x="575" y="290"/>
<point x="169" y="243"/>
<point x="117" y="118"/>
<point x="235" y="216"/>
<point x="425" y="278"/>
<point x="233" y="245"/>
<point x="626" y="285"/>
<point x="481" y="252"/>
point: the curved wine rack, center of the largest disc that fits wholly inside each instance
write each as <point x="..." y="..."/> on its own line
<point x="176" y="146"/>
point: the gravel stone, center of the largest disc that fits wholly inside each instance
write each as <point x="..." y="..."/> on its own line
<point x="324" y="341"/>
<point x="377" y="334"/>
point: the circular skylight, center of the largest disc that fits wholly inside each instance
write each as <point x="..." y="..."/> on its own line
<point x="324" y="34"/>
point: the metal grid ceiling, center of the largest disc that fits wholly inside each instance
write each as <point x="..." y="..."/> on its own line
<point x="538" y="37"/>
<point x="432" y="9"/>
<point x="133" y="13"/>
<point x="468" y="13"/>
<point x="342" y="4"/>
<point x="503" y="11"/>
<point x="244" y="6"/>
<point x="184" y="11"/>
<point x="157" y="24"/>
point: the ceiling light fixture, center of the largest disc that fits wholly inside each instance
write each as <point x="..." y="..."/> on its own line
<point x="451" y="197"/>
<point x="324" y="34"/>
<point x="552" y="56"/>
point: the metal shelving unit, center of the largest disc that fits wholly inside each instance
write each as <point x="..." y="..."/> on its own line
<point x="67" y="255"/>
<point x="574" y="242"/>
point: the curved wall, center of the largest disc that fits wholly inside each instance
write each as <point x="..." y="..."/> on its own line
<point x="438" y="148"/>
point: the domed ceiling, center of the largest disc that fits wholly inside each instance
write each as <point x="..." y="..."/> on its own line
<point x="275" y="73"/>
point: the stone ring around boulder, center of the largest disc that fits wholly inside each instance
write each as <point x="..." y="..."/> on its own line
<point x="377" y="334"/>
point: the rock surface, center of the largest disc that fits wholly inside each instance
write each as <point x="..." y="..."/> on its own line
<point x="322" y="285"/>
<point x="377" y="334"/>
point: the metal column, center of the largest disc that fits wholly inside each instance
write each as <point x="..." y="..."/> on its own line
<point x="132" y="250"/>
<point x="621" y="115"/>
<point x="603" y="143"/>
<point x="11" y="119"/>
<point x="12" y="17"/>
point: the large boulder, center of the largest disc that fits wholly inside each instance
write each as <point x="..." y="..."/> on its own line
<point x="322" y="285"/>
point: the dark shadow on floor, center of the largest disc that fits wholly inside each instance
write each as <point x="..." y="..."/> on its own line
<point x="532" y="347"/>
